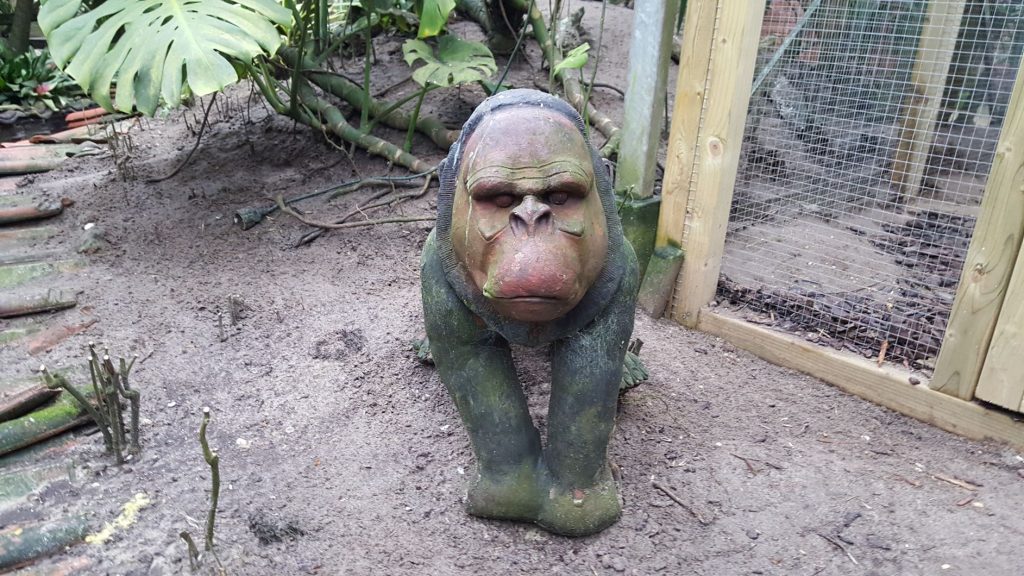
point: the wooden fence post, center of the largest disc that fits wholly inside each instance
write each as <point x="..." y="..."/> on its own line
<point x="990" y="260"/>
<point x="1002" y="378"/>
<point x="715" y="132"/>
<point x="928" y="80"/>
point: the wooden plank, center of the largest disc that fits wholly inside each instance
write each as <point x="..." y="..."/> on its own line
<point x="887" y="386"/>
<point x="656" y="288"/>
<point x="691" y="84"/>
<point x="1002" y="377"/>
<point x="928" y="80"/>
<point x="989" y="263"/>
<point x="718" y="146"/>
<point x="649" y="58"/>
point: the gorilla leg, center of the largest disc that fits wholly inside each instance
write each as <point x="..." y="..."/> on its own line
<point x="586" y="370"/>
<point x="476" y="365"/>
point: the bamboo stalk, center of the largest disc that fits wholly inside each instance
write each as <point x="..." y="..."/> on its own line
<point x="24" y="401"/>
<point x="12" y="306"/>
<point x="62" y="415"/>
<point x="22" y="543"/>
<point x="13" y="214"/>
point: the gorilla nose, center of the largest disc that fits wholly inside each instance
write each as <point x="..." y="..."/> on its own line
<point x="529" y="216"/>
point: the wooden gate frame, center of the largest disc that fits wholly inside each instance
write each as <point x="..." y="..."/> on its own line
<point x="712" y="95"/>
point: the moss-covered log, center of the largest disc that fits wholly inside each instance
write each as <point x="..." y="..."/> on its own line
<point x="342" y="87"/>
<point x="17" y="485"/>
<point x="62" y="415"/>
<point x="23" y="400"/>
<point x="329" y="117"/>
<point x="22" y="543"/>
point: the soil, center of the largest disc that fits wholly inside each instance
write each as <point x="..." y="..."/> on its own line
<point x="341" y="454"/>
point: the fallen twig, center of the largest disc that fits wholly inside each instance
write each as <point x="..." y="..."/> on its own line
<point x="956" y="482"/>
<point x="747" y="461"/>
<point x="835" y="542"/>
<point x="680" y="502"/>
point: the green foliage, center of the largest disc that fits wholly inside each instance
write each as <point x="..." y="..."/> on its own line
<point x="433" y="16"/>
<point x="575" y="59"/>
<point x="159" y="48"/>
<point x="32" y="81"/>
<point x="455" y="62"/>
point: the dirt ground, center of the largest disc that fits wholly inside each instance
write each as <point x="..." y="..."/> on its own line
<point x="341" y="454"/>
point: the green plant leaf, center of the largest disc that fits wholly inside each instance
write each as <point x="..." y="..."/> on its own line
<point x="456" y="62"/>
<point x="377" y="5"/>
<point x="159" y="48"/>
<point x="576" y="58"/>
<point x="433" y="16"/>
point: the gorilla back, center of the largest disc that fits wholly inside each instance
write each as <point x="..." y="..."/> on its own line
<point x="528" y="249"/>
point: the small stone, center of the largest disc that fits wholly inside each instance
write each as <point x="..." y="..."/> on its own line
<point x="614" y="561"/>
<point x="914" y="381"/>
<point x="92" y="240"/>
<point x="753" y="534"/>
<point x="1020" y="472"/>
<point x="243" y="443"/>
<point x="172" y="404"/>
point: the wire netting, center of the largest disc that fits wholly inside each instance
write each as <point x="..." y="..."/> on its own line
<point x="838" y="232"/>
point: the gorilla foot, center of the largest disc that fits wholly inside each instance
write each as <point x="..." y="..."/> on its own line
<point x="581" y="512"/>
<point x="510" y="496"/>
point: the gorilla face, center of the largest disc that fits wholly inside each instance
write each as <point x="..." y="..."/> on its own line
<point x="527" y="221"/>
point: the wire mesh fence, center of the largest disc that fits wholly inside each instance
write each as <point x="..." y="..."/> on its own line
<point x="870" y="135"/>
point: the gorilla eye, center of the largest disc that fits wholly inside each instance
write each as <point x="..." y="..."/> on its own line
<point x="558" y="198"/>
<point x="504" y="200"/>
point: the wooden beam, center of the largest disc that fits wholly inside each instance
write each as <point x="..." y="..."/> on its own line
<point x="650" y="55"/>
<point x="718" y="144"/>
<point x="1002" y="377"/>
<point x="886" y="386"/>
<point x="691" y="84"/>
<point x="928" y="80"/>
<point x="990" y="260"/>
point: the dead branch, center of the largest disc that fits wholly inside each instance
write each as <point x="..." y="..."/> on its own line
<point x="333" y="226"/>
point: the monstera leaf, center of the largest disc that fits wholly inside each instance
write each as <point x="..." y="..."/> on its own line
<point x="456" y="62"/>
<point x="433" y="16"/>
<point x="155" y="48"/>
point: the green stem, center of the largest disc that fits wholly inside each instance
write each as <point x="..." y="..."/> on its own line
<point x="54" y="381"/>
<point x="415" y="116"/>
<point x="364" y="115"/>
<point x="213" y="460"/>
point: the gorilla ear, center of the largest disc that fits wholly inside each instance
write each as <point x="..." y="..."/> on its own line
<point x="609" y="166"/>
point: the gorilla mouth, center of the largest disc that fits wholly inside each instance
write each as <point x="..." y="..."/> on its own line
<point x="537" y="299"/>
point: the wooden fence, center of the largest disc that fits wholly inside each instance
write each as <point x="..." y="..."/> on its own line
<point x="982" y="354"/>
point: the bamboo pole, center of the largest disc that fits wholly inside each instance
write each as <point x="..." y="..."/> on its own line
<point x="649" y="53"/>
